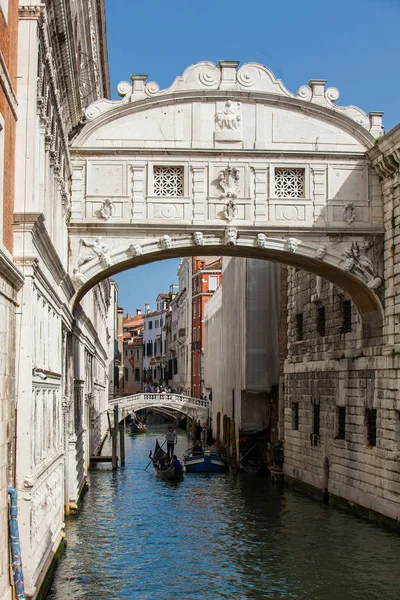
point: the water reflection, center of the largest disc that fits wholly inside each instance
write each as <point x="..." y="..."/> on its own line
<point x="217" y="537"/>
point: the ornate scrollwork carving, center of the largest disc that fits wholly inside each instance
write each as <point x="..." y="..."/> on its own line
<point x="209" y="77"/>
<point x="304" y="92"/>
<point x="228" y="181"/>
<point x="151" y="88"/>
<point x="107" y="209"/>
<point x="349" y="213"/>
<point x="354" y="257"/>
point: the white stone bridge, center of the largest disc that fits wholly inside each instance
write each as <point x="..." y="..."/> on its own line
<point x="227" y="161"/>
<point x="190" y="407"/>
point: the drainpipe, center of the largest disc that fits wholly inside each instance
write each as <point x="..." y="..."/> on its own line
<point x="15" y="545"/>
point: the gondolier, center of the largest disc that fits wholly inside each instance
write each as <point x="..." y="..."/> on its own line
<point x="172" y="439"/>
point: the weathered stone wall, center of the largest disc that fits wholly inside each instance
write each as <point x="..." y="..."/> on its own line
<point x="345" y="366"/>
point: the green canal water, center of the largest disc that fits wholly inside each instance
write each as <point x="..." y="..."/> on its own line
<point x="218" y="536"/>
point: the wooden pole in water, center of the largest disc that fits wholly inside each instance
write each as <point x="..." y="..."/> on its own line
<point x="218" y="434"/>
<point x="122" y="442"/>
<point x="233" y="446"/>
<point x="114" y="439"/>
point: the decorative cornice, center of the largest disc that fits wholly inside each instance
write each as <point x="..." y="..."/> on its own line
<point x="249" y="78"/>
<point x="34" y="224"/>
<point x="9" y="271"/>
<point x="30" y="11"/>
<point x="385" y="154"/>
<point x="48" y="58"/>
<point x="6" y="84"/>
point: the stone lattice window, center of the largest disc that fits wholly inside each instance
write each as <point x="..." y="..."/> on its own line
<point x="168" y="181"/>
<point x="289" y="183"/>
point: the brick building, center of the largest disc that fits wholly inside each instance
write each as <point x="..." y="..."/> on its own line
<point x="206" y="277"/>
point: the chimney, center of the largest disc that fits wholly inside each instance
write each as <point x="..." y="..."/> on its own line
<point x="138" y="311"/>
<point x="147" y="308"/>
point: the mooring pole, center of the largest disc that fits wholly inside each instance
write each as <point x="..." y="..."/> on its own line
<point x="121" y="428"/>
<point x="114" y="441"/>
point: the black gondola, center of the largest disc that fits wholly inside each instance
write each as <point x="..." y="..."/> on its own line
<point x="165" y="472"/>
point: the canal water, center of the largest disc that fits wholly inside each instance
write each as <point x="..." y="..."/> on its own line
<point x="219" y="536"/>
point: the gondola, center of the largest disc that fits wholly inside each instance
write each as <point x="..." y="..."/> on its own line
<point x="203" y="460"/>
<point x="169" y="473"/>
<point x="138" y="428"/>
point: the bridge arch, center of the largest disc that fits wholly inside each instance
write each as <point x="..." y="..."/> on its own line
<point x="193" y="408"/>
<point x="227" y="161"/>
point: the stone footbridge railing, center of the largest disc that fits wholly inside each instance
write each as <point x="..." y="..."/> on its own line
<point x="191" y="407"/>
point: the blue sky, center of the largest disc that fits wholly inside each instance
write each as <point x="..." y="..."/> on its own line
<point x="354" y="44"/>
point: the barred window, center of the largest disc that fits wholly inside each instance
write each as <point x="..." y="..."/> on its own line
<point x="289" y="183"/>
<point x="341" y="430"/>
<point x="299" y="327"/>
<point x="295" y="415"/>
<point x="316" y="419"/>
<point x="346" y="315"/>
<point x="371" y="426"/>
<point x="321" y="321"/>
<point x="168" y="181"/>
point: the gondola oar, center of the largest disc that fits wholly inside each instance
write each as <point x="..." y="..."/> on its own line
<point x="153" y="457"/>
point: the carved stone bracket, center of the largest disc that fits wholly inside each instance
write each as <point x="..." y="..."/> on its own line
<point x="355" y="258"/>
<point x="198" y="238"/>
<point x="165" y="242"/>
<point x="261" y="240"/>
<point x="292" y="244"/>
<point x="230" y="236"/>
<point x="135" y="249"/>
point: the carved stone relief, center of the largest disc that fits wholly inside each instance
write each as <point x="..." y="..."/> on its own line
<point x="135" y="249"/>
<point x="228" y="123"/>
<point x="349" y="213"/>
<point x="354" y="257"/>
<point x="198" y="238"/>
<point x="230" y="236"/>
<point x="165" y="242"/>
<point x="228" y="181"/>
<point x="261" y="240"/>
<point x="292" y="244"/>
<point x="96" y="249"/>
<point x="320" y="252"/>
<point x="107" y="209"/>
<point x="230" y="210"/>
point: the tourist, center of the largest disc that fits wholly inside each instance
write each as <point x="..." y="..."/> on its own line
<point x="133" y="416"/>
<point x="171" y="439"/>
<point x="176" y="463"/>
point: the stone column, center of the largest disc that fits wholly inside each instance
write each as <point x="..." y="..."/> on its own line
<point x="199" y="194"/>
<point x="261" y="207"/>
<point x="138" y="207"/>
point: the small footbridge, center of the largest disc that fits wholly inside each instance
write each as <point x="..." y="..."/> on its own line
<point x="191" y="407"/>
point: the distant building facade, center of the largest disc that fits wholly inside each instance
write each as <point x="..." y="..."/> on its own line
<point x="241" y="346"/>
<point x="206" y="277"/>
<point x="133" y="353"/>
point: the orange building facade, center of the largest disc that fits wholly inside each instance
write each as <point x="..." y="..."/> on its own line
<point x="206" y="278"/>
<point x="8" y="113"/>
<point x="10" y="277"/>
